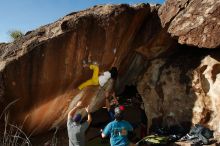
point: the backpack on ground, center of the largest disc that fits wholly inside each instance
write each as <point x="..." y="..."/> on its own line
<point x="199" y="134"/>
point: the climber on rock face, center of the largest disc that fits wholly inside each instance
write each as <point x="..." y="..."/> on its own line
<point x="76" y="129"/>
<point x="99" y="80"/>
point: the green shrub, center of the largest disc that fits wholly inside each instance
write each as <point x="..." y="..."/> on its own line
<point x="15" y="34"/>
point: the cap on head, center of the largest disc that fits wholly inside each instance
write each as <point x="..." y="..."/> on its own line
<point x="77" y="118"/>
<point x="121" y="107"/>
<point x="118" y="114"/>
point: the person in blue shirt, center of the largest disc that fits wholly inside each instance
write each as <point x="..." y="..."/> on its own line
<point x="118" y="130"/>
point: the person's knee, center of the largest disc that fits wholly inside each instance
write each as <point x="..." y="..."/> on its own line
<point x="95" y="80"/>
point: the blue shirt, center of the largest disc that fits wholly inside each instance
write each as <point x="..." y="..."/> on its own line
<point x="118" y="131"/>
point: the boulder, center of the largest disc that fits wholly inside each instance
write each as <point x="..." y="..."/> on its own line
<point x="193" y="22"/>
<point x="41" y="71"/>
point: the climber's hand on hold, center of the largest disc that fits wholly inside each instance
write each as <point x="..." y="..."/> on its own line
<point x="79" y="104"/>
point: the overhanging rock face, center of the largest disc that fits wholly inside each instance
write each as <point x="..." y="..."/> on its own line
<point x="193" y="22"/>
<point x="40" y="72"/>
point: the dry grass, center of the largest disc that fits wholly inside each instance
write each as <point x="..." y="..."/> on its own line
<point x="12" y="135"/>
<point x="54" y="138"/>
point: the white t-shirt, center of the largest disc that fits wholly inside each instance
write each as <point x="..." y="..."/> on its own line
<point x="104" y="78"/>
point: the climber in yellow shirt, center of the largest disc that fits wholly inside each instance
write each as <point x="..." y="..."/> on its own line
<point x="99" y="80"/>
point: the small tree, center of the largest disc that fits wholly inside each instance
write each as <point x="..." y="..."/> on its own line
<point x="15" y="34"/>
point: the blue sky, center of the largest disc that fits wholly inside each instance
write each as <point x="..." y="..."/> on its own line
<point x="25" y="15"/>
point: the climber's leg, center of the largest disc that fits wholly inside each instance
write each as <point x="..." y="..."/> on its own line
<point x="85" y="84"/>
<point x="95" y="76"/>
<point x="94" y="80"/>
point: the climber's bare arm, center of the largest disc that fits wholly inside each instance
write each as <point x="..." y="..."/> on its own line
<point x="89" y="117"/>
<point x="73" y="110"/>
<point x="107" y="104"/>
